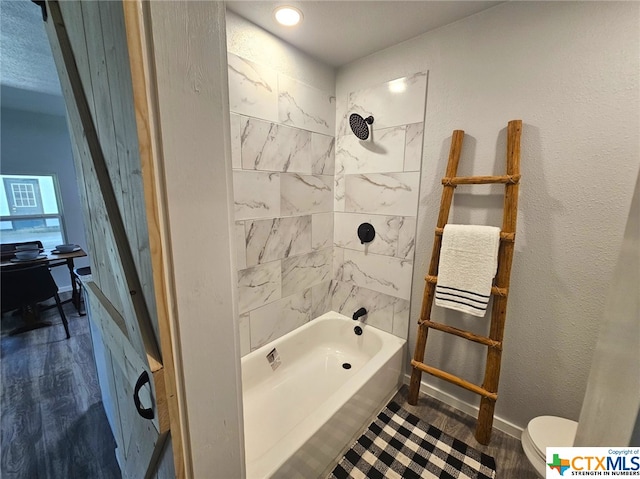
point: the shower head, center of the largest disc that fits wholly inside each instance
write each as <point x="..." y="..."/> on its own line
<point x="360" y="126"/>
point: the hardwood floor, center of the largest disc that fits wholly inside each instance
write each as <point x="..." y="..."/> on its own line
<point x="53" y="423"/>
<point x="511" y="463"/>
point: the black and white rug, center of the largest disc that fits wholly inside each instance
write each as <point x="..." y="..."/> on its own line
<point x="399" y="445"/>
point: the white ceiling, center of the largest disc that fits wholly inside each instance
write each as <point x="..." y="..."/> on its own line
<point x="26" y="57"/>
<point x="334" y="32"/>
<point x="339" y="32"/>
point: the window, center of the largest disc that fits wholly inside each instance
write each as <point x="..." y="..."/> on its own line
<point x="23" y="195"/>
<point x="30" y="211"/>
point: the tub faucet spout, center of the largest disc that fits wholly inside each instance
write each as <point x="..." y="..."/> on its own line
<point x="361" y="312"/>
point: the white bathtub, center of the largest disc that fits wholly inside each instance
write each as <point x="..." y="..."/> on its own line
<point x="299" y="417"/>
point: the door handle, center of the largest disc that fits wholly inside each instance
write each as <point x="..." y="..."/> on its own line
<point x="146" y="413"/>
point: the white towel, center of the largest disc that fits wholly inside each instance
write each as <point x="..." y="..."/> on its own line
<point x="468" y="263"/>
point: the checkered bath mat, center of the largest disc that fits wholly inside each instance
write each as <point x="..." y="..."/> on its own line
<point x="399" y="445"/>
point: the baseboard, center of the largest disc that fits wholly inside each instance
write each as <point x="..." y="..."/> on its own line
<point x="463" y="406"/>
<point x="64" y="289"/>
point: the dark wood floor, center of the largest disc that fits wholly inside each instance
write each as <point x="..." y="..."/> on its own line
<point x="53" y="423"/>
<point x="511" y="463"/>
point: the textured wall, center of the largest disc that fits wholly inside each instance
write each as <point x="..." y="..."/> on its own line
<point x="612" y="399"/>
<point x="570" y="72"/>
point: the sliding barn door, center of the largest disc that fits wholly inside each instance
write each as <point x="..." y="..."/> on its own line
<point x="89" y="43"/>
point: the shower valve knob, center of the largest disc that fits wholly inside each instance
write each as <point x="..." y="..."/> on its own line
<point x="366" y="233"/>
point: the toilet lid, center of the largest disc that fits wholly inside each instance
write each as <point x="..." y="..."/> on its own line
<point x="551" y="431"/>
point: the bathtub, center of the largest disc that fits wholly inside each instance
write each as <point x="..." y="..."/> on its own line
<point x="300" y="415"/>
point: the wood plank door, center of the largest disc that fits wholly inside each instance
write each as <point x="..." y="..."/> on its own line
<point x="89" y="45"/>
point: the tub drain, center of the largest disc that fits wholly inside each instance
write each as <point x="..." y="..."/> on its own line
<point x="346" y="365"/>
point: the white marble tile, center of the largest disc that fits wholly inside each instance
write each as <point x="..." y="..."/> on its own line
<point x="401" y="322"/>
<point x="272" y="147"/>
<point x="302" y="272"/>
<point x="342" y="122"/>
<point x="323" y="154"/>
<point x="256" y="194"/>
<point x="338" y="187"/>
<point x="338" y="261"/>
<point x="259" y="285"/>
<point x="241" y="246"/>
<point x="245" y="334"/>
<point x="413" y="147"/>
<point x="386" y="227"/>
<point x="347" y="298"/>
<point x="339" y="203"/>
<point x="321" y="230"/>
<point x="236" y="158"/>
<point x="389" y="194"/>
<point x="252" y="89"/>
<point x="320" y="299"/>
<point x="383" y="152"/>
<point x="384" y="274"/>
<point x="277" y="238"/>
<point x="280" y="317"/>
<point x="305" y="107"/>
<point x="394" y="103"/>
<point x="407" y="238"/>
<point x="344" y="298"/>
<point x="305" y="194"/>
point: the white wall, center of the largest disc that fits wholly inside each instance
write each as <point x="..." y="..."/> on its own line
<point x="188" y="54"/>
<point x="570" y="71"/>
<point x="36" y="143"/>
<point x="612" y="399"/>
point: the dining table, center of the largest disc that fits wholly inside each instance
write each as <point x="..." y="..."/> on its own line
<point x="53" y="259"/>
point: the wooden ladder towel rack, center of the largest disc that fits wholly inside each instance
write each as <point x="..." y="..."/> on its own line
<point x="500" y="289"/>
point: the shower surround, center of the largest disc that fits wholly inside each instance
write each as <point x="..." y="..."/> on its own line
<point x="299" y="200"/>
<point x="283" y="159"/>
<point x="377" y="181"/>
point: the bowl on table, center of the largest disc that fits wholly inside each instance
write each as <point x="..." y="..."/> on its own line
<point x="66" y="248"/>
<point x="28" y="247"/>
<point x="28" y="254"/>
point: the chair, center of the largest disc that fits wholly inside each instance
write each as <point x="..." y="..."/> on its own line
<point x="8" y="250"/>
<point x="24" y="287"/>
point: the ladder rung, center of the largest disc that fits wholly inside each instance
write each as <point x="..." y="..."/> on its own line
<point x="494" y="289"/>
<point x="480" y="180"/>
<point x="503" y="236"/>
<point x="455" y="380"/>
<point x="492" y="343"/>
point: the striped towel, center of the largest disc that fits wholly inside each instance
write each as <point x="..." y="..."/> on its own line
<point x="468" y="263"/>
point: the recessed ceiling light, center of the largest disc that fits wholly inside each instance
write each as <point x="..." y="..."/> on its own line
<point x="287" y="16"/>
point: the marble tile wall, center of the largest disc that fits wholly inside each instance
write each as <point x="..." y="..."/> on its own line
<point x="283" y="156"/>
<point x="377" y="181"/>
<point x="301" y="193"/>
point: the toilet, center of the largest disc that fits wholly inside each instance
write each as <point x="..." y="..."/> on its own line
<point x="543" y="432"/>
